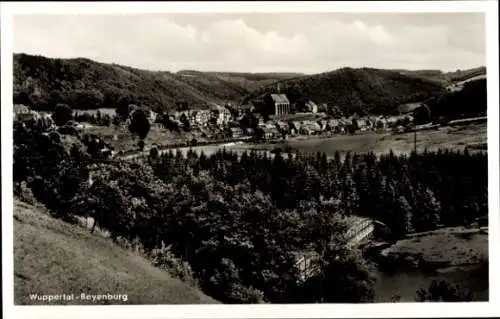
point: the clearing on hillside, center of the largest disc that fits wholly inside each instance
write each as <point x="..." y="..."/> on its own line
<point x="53" y="257"/>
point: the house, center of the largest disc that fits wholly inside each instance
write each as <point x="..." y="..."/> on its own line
<point x="360" y="229"/>
<point x="282" y="126"/>
<point x="23" y="113"/>
<point x="312" y="107"/>
<point x="259" y="118"/>
<point x="20" y="109"/>
<point x="202" y="118"/>
<point x="222" y="115"/>
<point x="305" y="263"/>
<point x="244" y="109"/>
<point x="270" y="132"/>
<point x="152" y="116"/>
<point x="236" y="132"/>
<point x="280" y="104"/>
<point x="297" y="124"/>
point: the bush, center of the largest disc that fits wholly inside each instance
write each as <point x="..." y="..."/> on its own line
<point x="247" y="295"/>
<point x="24" y="193"/>
<point x="443" y="291"/>
<point x="62" y="114"/>
<point x="165" y="259"/>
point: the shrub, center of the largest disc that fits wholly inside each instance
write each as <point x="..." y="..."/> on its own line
<point x="247" y="295"/>
<point x="24" y="193"/>
<point x="165" y="259"/>
<point x="62" y="114"/>
<point x="443" y="291"/>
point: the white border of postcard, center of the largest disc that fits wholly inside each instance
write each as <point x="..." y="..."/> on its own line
<point x="490" y="8"/>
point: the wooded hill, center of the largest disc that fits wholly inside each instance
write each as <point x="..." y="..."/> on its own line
<point x="361" y="91"/>
<point x="249" y="81"/>
<point x="86" y="84"/>
<point x="446" y="78"/>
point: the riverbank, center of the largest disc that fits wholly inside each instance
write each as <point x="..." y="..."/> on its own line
<point x="457" y="255"/>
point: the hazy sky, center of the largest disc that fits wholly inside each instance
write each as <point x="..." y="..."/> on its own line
<point x="260" y="42"/>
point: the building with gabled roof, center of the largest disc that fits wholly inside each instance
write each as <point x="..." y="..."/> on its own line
<point x="280" y="103"/>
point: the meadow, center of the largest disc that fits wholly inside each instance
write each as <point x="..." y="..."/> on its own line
<point x="122" y="140"/>
<point x="456" y="138"/>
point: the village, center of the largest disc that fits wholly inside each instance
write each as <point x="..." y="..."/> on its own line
<point x="226" y="121"/>
<point x="281" y="123"/>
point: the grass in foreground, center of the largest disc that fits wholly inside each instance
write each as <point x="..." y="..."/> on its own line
<point x="53" y="257"/>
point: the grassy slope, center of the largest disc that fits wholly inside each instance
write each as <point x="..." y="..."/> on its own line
<point x="52" y="257"/>
<point x="125" y="141"/>
<point x="357" y="90"/>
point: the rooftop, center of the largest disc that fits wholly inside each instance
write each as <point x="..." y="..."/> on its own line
<point x="20" y="109"/>
<point x="279" y="98"/>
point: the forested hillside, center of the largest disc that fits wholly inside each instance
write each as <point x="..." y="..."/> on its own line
<point x="362" y="91"/>
<point x="469" y="102"/>
<point x="446" y="77"/>
<point x="85" y="84"/>
<point x="249" y="81"/>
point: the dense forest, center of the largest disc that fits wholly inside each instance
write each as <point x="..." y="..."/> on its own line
<point x="361" y="91"/>
<point x="234" y="223"/>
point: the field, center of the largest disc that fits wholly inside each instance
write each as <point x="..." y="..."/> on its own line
<point x="457" y="253"/>
<point x="380" y="143"/>
<point x="122" y="140"/>
<point x="53" y="257"/>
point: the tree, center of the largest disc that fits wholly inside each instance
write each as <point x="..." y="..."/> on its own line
<point x="62" y="114"/>
<point x="428" y="210"/>
<point x="404" y="216"/>
<point x="345" y="270"/>
<point x="259" y="134"/>
<point x="141" y="144"/>
<point x="139" y="124"/>
<point x="123" y="109"/>
<point x="22" y="98"/>
<point x="422" y="115"/>
<point x="185" y="122"/>
<point x="153" y="153"/>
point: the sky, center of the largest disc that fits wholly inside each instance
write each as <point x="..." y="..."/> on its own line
<point x="260" y="42"/>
